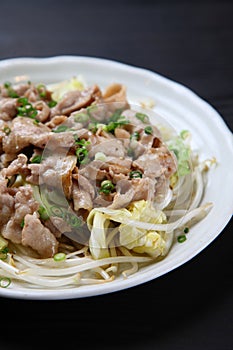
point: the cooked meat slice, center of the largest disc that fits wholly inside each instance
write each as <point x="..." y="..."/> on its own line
<point x="115" y="97"/>
<point x="18" y="166"/>
<point x="25" y="132"/>
<point x="33" y="177"/>
<point x="65" y="139"/>
<point x="124" y="195"/>
<point x="20" y="89"/>
<point x="128" y="191"/>
<point x="7" y="108"/>
<point x="121" y="133"/>
<point x="57" y="120"/>
<point x="56" y="171"/>
<point x="130" y="115"/>
<point x="3" y="126"/>
<point x="43" y="111"/>
<point x="84" y="184"/>
<point x="144" y="188"/>
<point x="93" y="171"/>
<point x="75" y="100"/>
<point x="112" y="147"/>
<point x="6" y="203"/>
<point x="81" y="199"/>
<point x="38" y="237"/>
<point x="156" y="162"/>
<point x="24" y="204"/>
<point x="137" y="148"/>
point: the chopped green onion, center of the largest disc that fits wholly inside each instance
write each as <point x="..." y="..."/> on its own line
<point x="143" y="117"/>
<point x="93" y="127"/>
<point x="81" y="142"/>
<point x="36" y="159"/>
<point x="3" y="243"/>
<point x="186" y="230"/>
<point x="181" y="238"/>
<point x="91" y="109"/>
<point x="52" y="103"/>
<point x="148" y="130"/>
<point x="135" y="136"/>
<point x="3" y="253"/>
<point x="43" y="213"/>
<point x="82" y="155"/>
<point x="22" y="223"/>
<point x="25" y="109"/>
<point x="81" y="152"/>
<point x="184" y="134"/>
<point x="5" y="282"/>
<point x="59" y="257"/>
<point x="42" y="90"/>
<point x="10" y="91"/>
<point x="7" y="84"/>
<point x="81" y="118"/>
<point x="135" y="174"/>
<point x="100" y="156"/>
<point x="115" y="121"/>
<point x="61" y="128"/>
<point x="106" y="186"/>
<point x="7" y="130"/>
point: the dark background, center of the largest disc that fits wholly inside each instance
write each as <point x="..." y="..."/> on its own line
<point x="190" y="42"/>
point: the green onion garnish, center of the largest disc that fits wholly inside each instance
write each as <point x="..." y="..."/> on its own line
<point x="10" y="91"/>
<point x="181" y="238"/>
<point x="52" y="103"/>
<point x="81" y="152"/>
<point x="59" y="257"/>
<point x="82" y="155"/>
<point x="186" y="230"/>
<point x="61" y="128"/>
<point x="22" y="223"/>
<point x="148" y="130"/>
<point x="135" y="136"/>
<point x="5" y="282"/>
<point x="43" y="213"/>
<point x="135" y="174"/>
<point x="7" y="130"/>
<point x="37" y="159"/>
<point x="7" y="84"/>
<point x="143" y="117"/>
<point x="42" y="90"/>
<point x="93" y="127"/>
<point x="25" y="109"/>
<point x="81" y="118"/>
<point x="106" y="187"/>
<point x="3" y="253"/>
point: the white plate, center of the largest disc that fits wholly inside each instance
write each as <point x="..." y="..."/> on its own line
<point x="184" y="110"/>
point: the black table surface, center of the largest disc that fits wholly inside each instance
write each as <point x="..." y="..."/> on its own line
<point x="190" y="42"/>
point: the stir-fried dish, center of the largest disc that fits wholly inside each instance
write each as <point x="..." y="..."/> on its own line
<point x="90" y="189"/>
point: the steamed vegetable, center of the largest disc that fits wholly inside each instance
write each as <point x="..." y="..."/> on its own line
<point x="182" y="152"/>
<point x="138" y="239"/>
<point x="59" y="89"/>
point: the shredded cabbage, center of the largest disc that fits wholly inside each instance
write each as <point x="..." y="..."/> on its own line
<point x="59" y="89"/>
<point x="139" y="240"/>
<point x="182" y="152"/>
